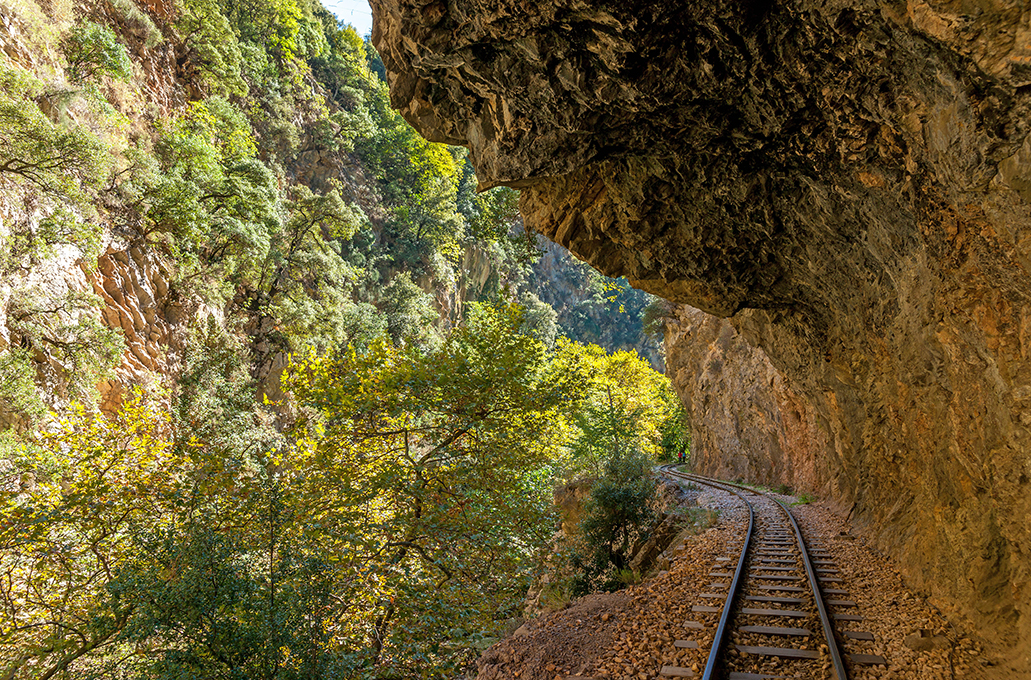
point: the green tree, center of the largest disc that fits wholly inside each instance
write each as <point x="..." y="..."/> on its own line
<point x="627" y="408"/>
<point x="209" y="48"/>
<point x="409" y="311"/>
<point x="629" y="418"/>
<point x="93" y="50"/>
<point x="539" y="319"/>
<point x="74" y="350"/>
<point x="435" y="492"/>
<point x="302" y="288"/>
<point x="203" y="197"/>
<point x="617" y="516"/>
<point x="63" y="541"/>
<point x="61" y="161"/>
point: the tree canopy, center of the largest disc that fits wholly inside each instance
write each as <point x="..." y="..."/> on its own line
<point x="370" y="389"/>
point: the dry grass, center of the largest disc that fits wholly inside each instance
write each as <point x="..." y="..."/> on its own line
<point x="37" y="28"/>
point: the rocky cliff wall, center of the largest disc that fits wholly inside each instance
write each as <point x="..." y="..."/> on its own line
<point x="134" y="285"/>
<point x="132" y="282"/>
<point x="747" y="422"/>
<point x="848" y="182"/>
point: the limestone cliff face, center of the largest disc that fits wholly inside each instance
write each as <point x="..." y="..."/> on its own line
<point x="134" y="284"/>
<point x="747" y="421"/>
<point x="848" y="182"/>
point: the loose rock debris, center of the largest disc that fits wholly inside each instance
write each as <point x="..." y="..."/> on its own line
<point x="629" y="635"/>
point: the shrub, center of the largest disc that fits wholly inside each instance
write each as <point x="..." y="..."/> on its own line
<point x="18" y="394"/>
<point x="80" y="349"/>
<point x="618" y="514"/>
<point x="92" y="51"/>
<point x="210" y="49"/>
<point x="58" y="160"/>
<point x="138" y="21"/>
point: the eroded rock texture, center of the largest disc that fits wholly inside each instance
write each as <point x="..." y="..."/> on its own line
<point x="134" y="285"/>
<point x="848" y="182"/>
<point x="748" y="421"/>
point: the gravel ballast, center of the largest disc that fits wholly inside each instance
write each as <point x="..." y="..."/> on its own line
<point x="629" y="635"/>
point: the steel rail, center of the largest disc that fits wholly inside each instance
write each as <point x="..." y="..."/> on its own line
<point x="828" y="629"/>
<point x="728" y="606"/>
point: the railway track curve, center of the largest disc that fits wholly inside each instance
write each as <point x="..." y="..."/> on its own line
<point x="774" y="600"/>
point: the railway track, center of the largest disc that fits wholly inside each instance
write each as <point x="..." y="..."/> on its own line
<point x="765" y="614"/>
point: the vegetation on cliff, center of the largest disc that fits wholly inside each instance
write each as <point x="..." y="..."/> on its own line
<point x="344" y="466"/>
<point x="387" y="533"/>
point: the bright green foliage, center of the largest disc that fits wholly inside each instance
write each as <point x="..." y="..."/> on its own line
<point x="338" y="131"/>
<point x="431" y="492"/>
<point x="497" y="211"/>
<point x="27" y="247"/>
<point x="203" y="196"/>
<point x="303" y="282"/>
<point x="422" y="181"/>
<point x="57" y="167"/>
<point x="618" y="513"/>
<point x="629" y="417"/>
<point x="61" y="161"/>
<point x="81" y="350"/>
<point x="400" y="525"/>
<point x="211" y="48"/>
<point x="409" y="311"/>
<point x="62" y="541"/>
<point x="18" y="393"/>
<point x="289" y="32"/>
<point x="92" y="51"/>
<point x="630" y="408"/>
<point x="539" y="319"/>
<point x="396" y="525"/>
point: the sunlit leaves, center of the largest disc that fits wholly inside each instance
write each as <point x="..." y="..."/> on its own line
<point x="627" y="408"/>
<point x="210" y="48"/>
<point x="393" y="529"/>
<point x="202" y="196"/>
<point x="303" y="284"/>
<point x="93" y="50"/>
<point x="80" y="348"/>
<point x="435" y="459"/>
<point x="62" y="540"/>
<point x="63" y="161"/>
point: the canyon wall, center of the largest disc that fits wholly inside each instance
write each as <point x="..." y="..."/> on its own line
<point x="848" y="184"/>
<point x="747" y="421"/>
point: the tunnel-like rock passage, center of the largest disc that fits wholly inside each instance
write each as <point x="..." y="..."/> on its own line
<point x="848" y="182"/>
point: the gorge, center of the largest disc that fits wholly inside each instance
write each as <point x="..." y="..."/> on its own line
<point x="842" y="189"/>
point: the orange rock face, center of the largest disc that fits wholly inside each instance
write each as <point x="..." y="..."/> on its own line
<point x="134" y="287"/>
